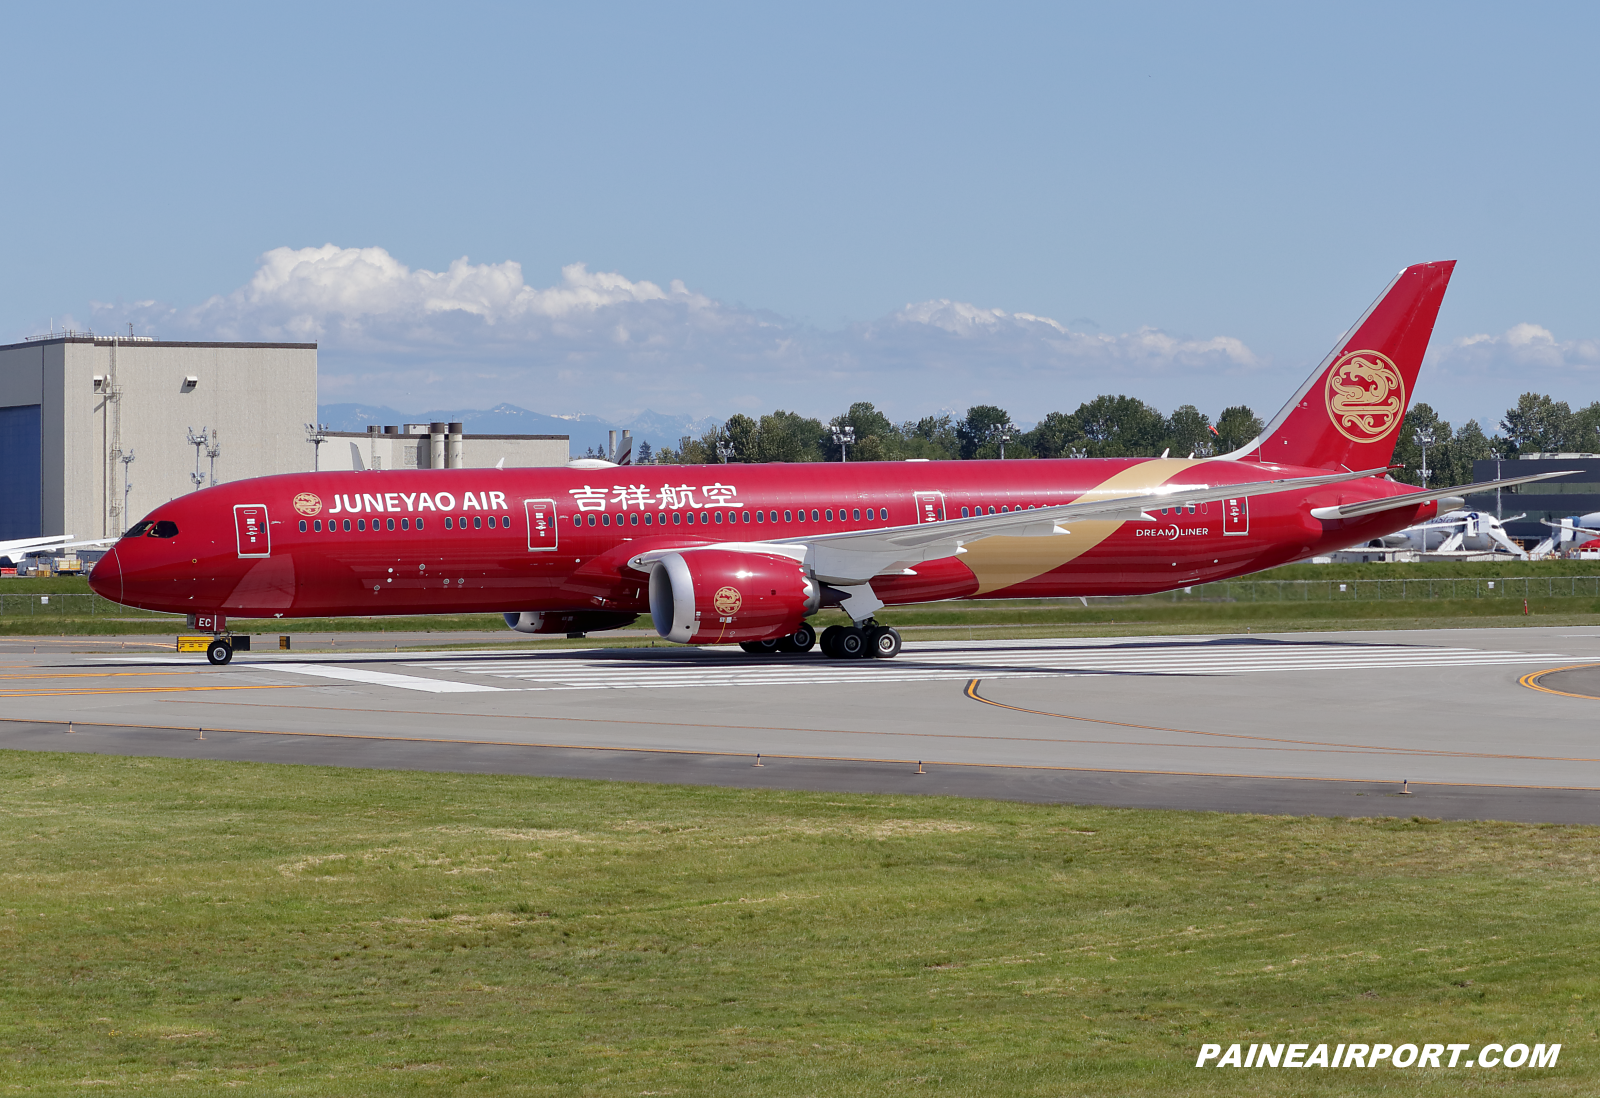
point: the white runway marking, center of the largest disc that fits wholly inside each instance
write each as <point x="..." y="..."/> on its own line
<point x="380" y="678"/>
<point x="961" y="662"/>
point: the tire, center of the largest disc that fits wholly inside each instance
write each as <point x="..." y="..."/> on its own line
<point x="830" y="641"/>
<point x="883" y="643"/>
<point x="803" y="639"/>
<point x="219" y="652"/>
<point x="762" y="647"/>
<point x="852" y="643"/>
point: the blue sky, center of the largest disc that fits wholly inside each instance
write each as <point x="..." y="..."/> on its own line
<point x="1183" y="202"/>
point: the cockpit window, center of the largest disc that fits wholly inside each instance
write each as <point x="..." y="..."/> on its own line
<point x="166" y="528"/>
<point x="138" y="529"/>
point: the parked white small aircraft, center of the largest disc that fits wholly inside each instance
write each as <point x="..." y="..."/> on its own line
<point x="1569" y="533"/>
<point x="1457" y="532"/>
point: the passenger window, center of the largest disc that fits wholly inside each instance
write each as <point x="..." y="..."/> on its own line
<point x="828" y="514"/>
<point x="419" y="524"/>
<point x="814" y="515"/>
<point x="677" y="518"/>
<point x="577" y="520"/>
<point x="389" y="524"/>
<point x="633" y="519"/>
<point x="448" y="525"/>
<point x="689" y="517"/>
<point x="705" y="517"/>
<point x="855" y="514"/>
<point x="719" y="517"/>
<point x="347" y="526"/>
<point x="647" y="520"/>
<point x="302" y="526"/>
<point x="788" y="516"/>
<point x="477" y="521"/>
<point x="1191" y="508"/>
<point x="883" y="513"/>
<point x="761" y="516"/>
<point x="361" y="524"/>
<point x="747" y="516"/>
<point x="964" y="513"/>
<point x="605" y="520"/>
<point x="405" y="523"/>
<point x="774" y="516"/>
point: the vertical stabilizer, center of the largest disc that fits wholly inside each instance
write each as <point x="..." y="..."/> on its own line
<point x="1348" y="413"/>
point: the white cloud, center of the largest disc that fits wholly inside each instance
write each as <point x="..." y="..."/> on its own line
<point x="600" y="342"/>
<point x="1516" y="351"/>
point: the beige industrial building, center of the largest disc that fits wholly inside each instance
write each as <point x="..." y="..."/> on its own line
<point x="436" y="446"/>
<point x="95" y="431"/>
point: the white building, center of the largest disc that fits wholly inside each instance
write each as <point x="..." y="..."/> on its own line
<point x="95" y="431"/>
<point x="436" y="446"/>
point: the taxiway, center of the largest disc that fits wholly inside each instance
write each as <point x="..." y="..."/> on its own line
<point x="1475" y="723"/>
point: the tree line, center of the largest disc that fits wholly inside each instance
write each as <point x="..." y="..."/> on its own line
<point x="1107" y="426"/>
<point x="1123" y="426"/>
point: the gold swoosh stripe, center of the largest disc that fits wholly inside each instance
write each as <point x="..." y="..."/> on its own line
<point x="1005" y="562"/>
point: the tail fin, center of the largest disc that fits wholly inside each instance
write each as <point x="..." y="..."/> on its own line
<point x="1348" y="413"/>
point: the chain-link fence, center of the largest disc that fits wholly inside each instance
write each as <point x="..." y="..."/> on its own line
<point x="1385" y="589"/>
<point x="70" y="605"/>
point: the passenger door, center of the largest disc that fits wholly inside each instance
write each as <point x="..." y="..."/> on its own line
<point x="543" y="530"/>
<point x="251" y="530"/>
<point x="930" y="506"/>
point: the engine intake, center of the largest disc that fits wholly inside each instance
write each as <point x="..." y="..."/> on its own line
<point x="720" y="596"/>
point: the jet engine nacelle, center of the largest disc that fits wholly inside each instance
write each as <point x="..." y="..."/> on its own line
<point x="720" y="596"/>
<point x="582" y="621"/>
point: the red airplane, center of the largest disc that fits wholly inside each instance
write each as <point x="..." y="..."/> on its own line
<point x="720" y="554"/>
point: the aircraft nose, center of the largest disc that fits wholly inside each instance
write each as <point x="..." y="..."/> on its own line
<point x="105" y="579"/>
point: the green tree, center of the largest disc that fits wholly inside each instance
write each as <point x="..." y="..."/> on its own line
<point x="1408" y="452"/>
<point x="932" y="437"/>
<point x="1537" y="424"/>
<point x="1120" y="426"/>
<point x="1236" y="426"/>
<point x="876" y="438"/>
<point x="742" y="432"/>
<point x="1057" y="435"/>
<point x="1583" y="430"/>
<point x="977" y="428"/>
<point x="1468" y="445"/>
<point x="789" y="436"/>
<point x="1189" y="432"/>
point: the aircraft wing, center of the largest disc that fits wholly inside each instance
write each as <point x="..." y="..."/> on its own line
<point x="36" y="545"/>
<point x="1411" y="499"/>
<point x="855" y="556"/>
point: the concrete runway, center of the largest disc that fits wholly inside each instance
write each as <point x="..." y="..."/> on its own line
<point x="1316" y="723"/>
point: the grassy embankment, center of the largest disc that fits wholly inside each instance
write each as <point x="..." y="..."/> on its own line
<point x="175" y="926"/>
<point x="1297" y="597"/>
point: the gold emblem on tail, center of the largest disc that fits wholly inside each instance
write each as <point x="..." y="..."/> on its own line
<point x="1366" y="396"/>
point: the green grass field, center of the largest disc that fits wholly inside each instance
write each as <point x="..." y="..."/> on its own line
<point x="1297" y="597"/>
<point x="176" y="928"/>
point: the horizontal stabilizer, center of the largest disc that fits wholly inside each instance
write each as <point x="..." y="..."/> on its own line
<point x="1412" y="499"/>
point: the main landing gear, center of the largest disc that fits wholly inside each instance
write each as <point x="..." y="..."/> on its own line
<point x="869" y="641"/>
<point x="802" y="639"/>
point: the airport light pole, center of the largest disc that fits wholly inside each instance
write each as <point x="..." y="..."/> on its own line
<point x="844" y="438"/>
<point x="1424" y="437"/>
<point x="1002" y="433"/>
<point x="316" y="434"/>
<point x="199" y="443"/>
<point x="724" y="448"/>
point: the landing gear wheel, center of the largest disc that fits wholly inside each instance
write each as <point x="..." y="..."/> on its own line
<point x="883" y="643"/>
<point x="830" y="641"/>
<point x="803" y="639"/>
<point x="763" y="647"/>
<point x="851" y="643"/>
<point x="219" y="652"/>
